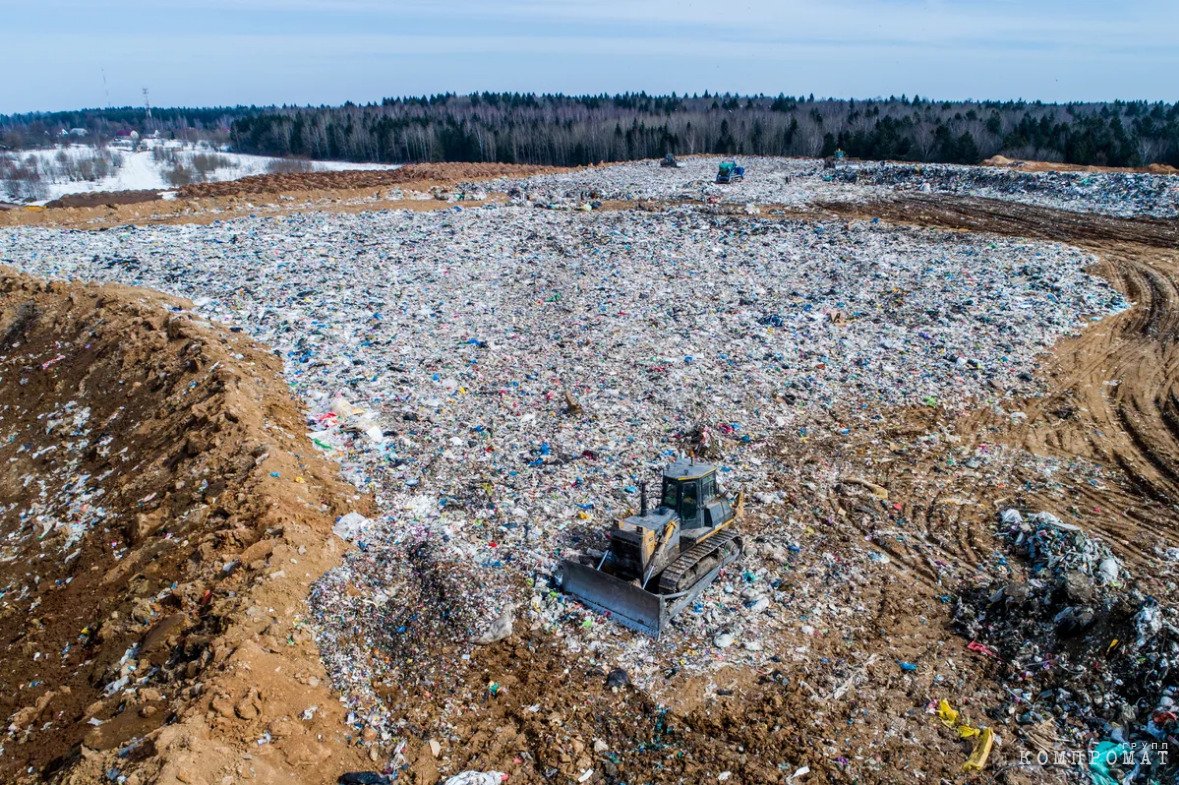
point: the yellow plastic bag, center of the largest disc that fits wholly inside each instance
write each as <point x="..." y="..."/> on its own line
<point x="967" y="732"/>
<point x="984" y="737"/>
<point x="947" y="714"/>
<point x="982" y="750"/>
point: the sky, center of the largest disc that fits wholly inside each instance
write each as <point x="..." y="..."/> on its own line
<point x="65" y="54"/>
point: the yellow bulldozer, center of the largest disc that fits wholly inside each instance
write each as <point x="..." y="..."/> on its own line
<point x="658" y="561"/>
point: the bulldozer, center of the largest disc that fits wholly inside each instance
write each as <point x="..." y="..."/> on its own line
<point x="659" y="561"/>
<point x="729" y="172"/>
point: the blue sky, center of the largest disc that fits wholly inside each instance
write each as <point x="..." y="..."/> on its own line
<point x="200" y="52"/>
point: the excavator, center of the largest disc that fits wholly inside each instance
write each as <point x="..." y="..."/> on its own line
<point x="660" y="560"/>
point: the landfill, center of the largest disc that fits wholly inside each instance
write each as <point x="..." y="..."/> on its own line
<point x="439" y="355"/>
<point x="799" y="183"/>
<point x="501" y="379"/>
<point x="1123" y="194"/>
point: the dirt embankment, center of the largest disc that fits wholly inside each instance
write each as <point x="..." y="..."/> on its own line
<point x="1054" y="166"/>
<point x="163" y="516"/>
<point x="349" y="180"/>
<point x="269" y="194"/>
<point x="103" y="199"/>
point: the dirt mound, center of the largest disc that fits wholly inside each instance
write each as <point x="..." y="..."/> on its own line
<point x="1054" y="166"/>
<point x="1001" y="160"/>
<point x="164" y="516"/>
<point x="321" y="181"/>
<point x="104" y="198"/>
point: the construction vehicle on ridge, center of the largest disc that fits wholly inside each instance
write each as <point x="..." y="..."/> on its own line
<point x="660" y="560"/>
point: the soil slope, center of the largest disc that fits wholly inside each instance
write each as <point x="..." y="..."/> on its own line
<point x="163" y="516"/>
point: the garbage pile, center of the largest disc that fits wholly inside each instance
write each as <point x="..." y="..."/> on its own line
<point x="800" y="183"/>
<point x="794" y="182"/>
<point x="1089" y="660"/>
<point x="1121" y="194"/>
<point x="501" y="379"/>
<point x="400" y="613"/>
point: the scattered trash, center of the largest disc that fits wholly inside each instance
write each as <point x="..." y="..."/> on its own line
<point x="476" y="778"/>
<point x="984" y="738"/>
<point x="352" y="526"/>
<point x="800" y="182"/>
<point x="498" y="629"/>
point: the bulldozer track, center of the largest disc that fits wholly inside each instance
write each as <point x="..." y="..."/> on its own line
<point x="669" y="581"/>
<point x="1118" y="380"/>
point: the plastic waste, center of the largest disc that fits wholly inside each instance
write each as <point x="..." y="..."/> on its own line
<point x="476" y="778"/>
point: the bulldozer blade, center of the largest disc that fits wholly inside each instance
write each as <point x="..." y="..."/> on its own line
<point x="629" y="605"/>
<point x="624" y="602"/>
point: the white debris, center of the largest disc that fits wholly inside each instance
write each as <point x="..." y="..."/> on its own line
<point x="352" y="526"/>
<point x="476" y="778"/>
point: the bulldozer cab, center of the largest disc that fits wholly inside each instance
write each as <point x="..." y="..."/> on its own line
<point x="687" y="489"/>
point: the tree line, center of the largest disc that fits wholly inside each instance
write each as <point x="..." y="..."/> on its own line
<point x="43" y="129"/>
<point x="575" y="130"/>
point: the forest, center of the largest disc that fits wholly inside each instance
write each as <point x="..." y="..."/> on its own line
<point x="575" y="130"/>
<point x="43" y="129"/>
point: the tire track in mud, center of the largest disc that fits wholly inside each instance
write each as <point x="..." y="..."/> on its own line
<point x="1113" y="391"/>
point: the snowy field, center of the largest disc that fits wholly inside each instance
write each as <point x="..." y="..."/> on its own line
<point x="40" y="176"/>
